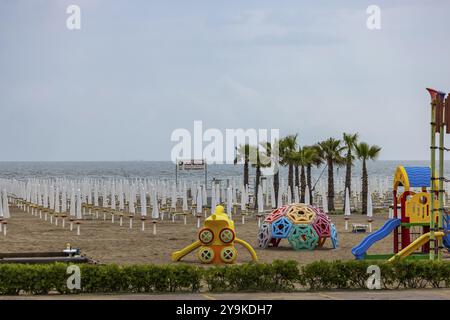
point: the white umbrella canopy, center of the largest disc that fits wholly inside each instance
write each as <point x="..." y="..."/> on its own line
<point x="289" y="195"/>
<point x="121" y="199"/>
<point x="174" y="197"/>
<point x="1" y="207"/>
<point x="57" y="201"/>
<point x="260" y="201"/>
<point x="104" y="196"/>
<point x="155" y="209"/>
<point x="234" y="192"/>
<point x="213" y="199"/>
<point x="199" y="199"/>
<point x="218" y="195"/>
<point x="347" y="203"/>
<point x="243" y="199"/>
<point x="132" y="199"/>
<point x="64" y="200"/>
<point x="72" y="203"/>
<point x="143" y="199"/>
<point x="307" y="197"/>
<point x="324" y="202"/>
<point x="185" y="200"/>
<point x="229" y="202"/>
<point x="272" y="196"/>
<point x="78" y="205"/>
<point x="52" y="197"/>
<point x="113" y="196"/>
<point x="296" y="192"/>
<point x="369" y="210"/>
<point x="369" y="206"/>
<point x="45" y="196"/>
<point x="204" y="195"/>
<point x="96" y="194"/>
<point x="280" y="197"/>
<point x="5" y="206"/>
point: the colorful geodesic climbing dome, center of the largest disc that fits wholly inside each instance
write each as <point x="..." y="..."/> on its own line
<point x="304" y="226"/>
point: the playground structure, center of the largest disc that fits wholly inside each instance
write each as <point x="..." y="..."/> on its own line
<point x="216" y="241"/>
<point x="421" y="227"/>
<point x="304" y="226"/>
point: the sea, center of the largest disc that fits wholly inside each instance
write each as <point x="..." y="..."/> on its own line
<point x="166" y="170"/>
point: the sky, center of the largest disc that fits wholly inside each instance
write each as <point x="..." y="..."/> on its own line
<point x="137" y="70"/>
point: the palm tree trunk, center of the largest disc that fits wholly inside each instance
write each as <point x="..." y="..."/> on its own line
<point x="258" y="175"/>
<point x="309" y="183"/>
<point x="365" y="187"/>
<point x="302" y="185"/>
<point x="276" y="185"/>
<point x="291" y="178"/>
<point x="348" y="175"/>
<point x="297" y="181"/>
<point x="246" y="172"/>
<point x="330" y="185"/>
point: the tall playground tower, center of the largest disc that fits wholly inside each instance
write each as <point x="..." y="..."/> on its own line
<point x="421" y="228"/>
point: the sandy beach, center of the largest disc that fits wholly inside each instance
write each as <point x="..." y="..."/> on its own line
<point x="105" y="242"/>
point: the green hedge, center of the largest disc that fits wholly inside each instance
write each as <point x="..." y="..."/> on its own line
<point x="278" y="276"/>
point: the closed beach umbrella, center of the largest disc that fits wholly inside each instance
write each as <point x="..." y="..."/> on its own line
<point x="113" y="196"/>
<point x="185" y="200"/>
<point x="347" y="208"/>
<point x="243" y="199"/>
<point x="369" y="211"/>
<point x="78" y="205"/>
<point x="204" y="196"/>
<point x="280" y="197"/>
<point x="174" y="197"/>
<point x="289" y="195"/>
<point x="213" y="199"/>
<point x="143" y="199"/>
<point x="6" y="214"/>
<point x="307" y="198"/>
<point x="229" y="202"/>
<point x="260" y="202"/>
<point x="199" y="199"/>
<point x="324" y="202"/>
<point x="296" y="191"/>
<point x="155" y="209"/>
<point x="272" y="196"/>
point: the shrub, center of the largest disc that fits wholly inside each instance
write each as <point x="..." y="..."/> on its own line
<point x="278" y="276"/>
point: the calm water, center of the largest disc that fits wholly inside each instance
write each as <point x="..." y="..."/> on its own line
<point x="166" y="170"/>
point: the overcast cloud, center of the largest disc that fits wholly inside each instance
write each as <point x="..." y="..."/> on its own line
<point x="137" y="70"/>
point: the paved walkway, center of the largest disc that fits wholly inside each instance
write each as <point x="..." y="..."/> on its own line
<point x="422" y="294"/>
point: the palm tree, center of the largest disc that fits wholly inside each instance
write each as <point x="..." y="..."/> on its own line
<point x="331" y="153"/>
<point x="287" y="146"/>
<point x="365" y="152"/>
<point x="350" y="140"/>
<point x="243" y="155"/>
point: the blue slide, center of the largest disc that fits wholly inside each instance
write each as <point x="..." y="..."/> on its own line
<point x="360" y="250"/>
